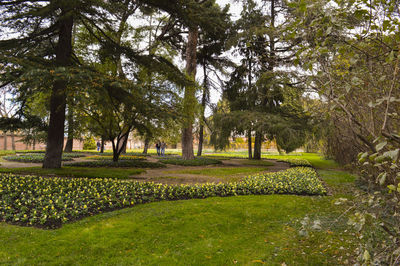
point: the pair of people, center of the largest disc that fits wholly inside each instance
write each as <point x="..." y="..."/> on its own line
<point x="160" y="147"/>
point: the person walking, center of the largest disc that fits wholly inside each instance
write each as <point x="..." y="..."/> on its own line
<point x="98" y="145"/>
<point x="163" y="146"/>
<point x="158" y="147"/>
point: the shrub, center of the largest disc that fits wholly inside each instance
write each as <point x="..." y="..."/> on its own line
<point x="89" y="144"/>
<point x="49" y="202"/>
<point x="120" y="163"/>
<point x="195" y="162"/>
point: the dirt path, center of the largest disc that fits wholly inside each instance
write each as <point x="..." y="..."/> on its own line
<point x="169" y="175"/>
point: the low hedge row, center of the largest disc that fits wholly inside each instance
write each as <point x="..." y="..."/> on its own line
<point x="50" y="202"/>
<point x="31" y="158"/>
<point x="198" y="161"/>
<point x="120" y="163"/>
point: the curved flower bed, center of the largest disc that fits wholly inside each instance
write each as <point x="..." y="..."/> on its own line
<point x="31" y="158"/>
<point x="296" y="162"/>
<point x="121" y="163"/>
<point x="50" y="202"/>
<point x="121" y="157"/>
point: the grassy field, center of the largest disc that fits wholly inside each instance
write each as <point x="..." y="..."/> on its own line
<point x="250" y="230"/>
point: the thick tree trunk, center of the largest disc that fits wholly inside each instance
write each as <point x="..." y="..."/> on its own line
<point x="189" y="101"/>
<point x="146" y="145"/>
<point x="70" y="140"/>
<point x="257" y="146"/>
<point x="102" y="145"/>
<point x="5" y="140"/>
<point x="55" y="136"/>
<point x="249" y="148"/>
<point x="12" y="140"/>
<point x="34" y="144"/>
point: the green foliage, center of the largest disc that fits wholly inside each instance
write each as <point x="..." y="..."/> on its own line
<point x="50" y="202"/>
<point x="195" y="162"/>
<point x="89" y="144"/>
<point x="2" y="153"/>
<point x="120" y="163"/>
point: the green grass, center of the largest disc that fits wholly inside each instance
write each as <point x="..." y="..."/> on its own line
<point x="69" y="171"/>
<point x="245" y="230"/>
<point x="315" y="159"/>
<point x="215" y="231"/>
<point x="220" y="172"/>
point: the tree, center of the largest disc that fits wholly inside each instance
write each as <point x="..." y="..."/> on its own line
<point x="262" y="94"/>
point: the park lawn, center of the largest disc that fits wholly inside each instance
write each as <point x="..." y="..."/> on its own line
<point x="213" y="231"/>
<point x="70" y="171"/>
<point x="315" y="159"/>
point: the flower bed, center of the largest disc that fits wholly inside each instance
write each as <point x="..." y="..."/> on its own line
<point x="50" y="202"/>
<point x="31" y="158"/>
<point x="121" y="157"/>
<point x="120" y="163"/>
<point x="195" y="162"/>
<point x="296" y="162"/>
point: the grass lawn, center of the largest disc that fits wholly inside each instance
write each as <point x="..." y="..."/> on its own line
<point x="313" y="158"/>
<point x="70" y="171"/>
<point x="248" y="230"/>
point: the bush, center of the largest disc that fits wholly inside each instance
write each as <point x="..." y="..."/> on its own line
<point x="195" y="162"/>
<point x="89" y="144"/>
<point x="50" y="202"/>
<point x="31" y="158"/>
<point x="121" y="163"/>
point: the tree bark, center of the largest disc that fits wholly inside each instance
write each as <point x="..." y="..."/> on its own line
<point x="12" y="140"/>
<point x="257" y="146"/>
<point x="189" y="101"/>
<point x="203" y="109"/>
<point x="5" y="140"/>
<point x="102" y="145"/>
<point x="70" y="140"/>
<point x="55" y="136"/>
<point x="249" y="148"/>
<point x="146" y="145"/>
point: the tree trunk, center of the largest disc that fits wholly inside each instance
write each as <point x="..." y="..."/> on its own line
<point x="257" y="146"/>
<point x="102" y="145"/>
<point x="189" y="100"/>
<point x="203" y="109"/>
<point x="249" y="148"/>
<point x="70" y="140"/>
<point x="34" y="144"/>
<point x="55" y="136"/>
<point x="12" y="140"/>
<point x="5" y="140"/>
<point x="146" y="145"/>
